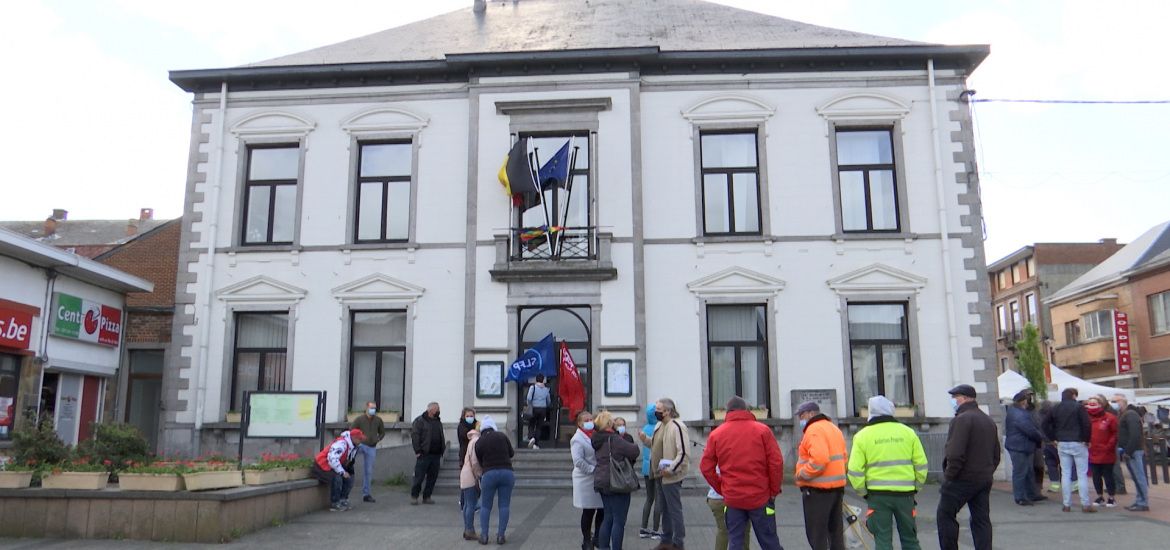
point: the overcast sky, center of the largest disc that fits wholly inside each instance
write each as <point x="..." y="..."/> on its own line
<point x="91" y="123"/>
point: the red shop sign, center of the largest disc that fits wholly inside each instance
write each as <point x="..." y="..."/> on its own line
<point x="1121" y="342"/>
<point x="16" y="322"/>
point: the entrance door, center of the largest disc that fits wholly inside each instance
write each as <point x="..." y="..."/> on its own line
<point x="68" y="407"/>
<point x="91" y="400"/>
<point x="571" y="325"/>
<point x="144" y="395"/>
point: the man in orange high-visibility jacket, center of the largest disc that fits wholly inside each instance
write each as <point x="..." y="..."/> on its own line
<point x="820" y="474"/>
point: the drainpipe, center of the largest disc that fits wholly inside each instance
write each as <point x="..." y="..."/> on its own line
<point x="204" y="320"/>
<point x="944" y="234"/>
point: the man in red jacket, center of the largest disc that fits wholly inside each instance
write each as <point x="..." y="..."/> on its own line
<point x="746" y="453"/>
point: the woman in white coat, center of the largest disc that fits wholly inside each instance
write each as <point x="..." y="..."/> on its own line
<point x="584" y="497"/>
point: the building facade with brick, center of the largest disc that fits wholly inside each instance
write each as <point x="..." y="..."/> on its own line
<point x="1022" y="280"/>
<point x="783" y="212"/>
<point x="88" y="238"/>
<point x="1113" y="323"/>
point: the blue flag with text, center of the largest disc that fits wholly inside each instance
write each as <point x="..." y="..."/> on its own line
<point x="538" y="359"/>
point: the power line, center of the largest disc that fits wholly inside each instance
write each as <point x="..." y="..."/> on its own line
<point x="1076" y="101"/>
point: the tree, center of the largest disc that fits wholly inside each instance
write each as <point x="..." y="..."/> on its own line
<point x="1031" y="361"/>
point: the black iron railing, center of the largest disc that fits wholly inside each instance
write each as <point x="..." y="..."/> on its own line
<point x="563" y="243"/>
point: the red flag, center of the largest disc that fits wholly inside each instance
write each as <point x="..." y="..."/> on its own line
<point x="570" y="387"/>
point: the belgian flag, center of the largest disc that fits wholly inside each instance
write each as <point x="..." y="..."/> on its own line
<point x="516" y="177"/>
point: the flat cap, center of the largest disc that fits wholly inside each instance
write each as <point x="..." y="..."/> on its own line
<point x="1022" y="395"/>
<point x="963" y="389"/>
<point x="808" y="406"/>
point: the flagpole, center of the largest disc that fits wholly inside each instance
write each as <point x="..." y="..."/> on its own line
<point x="540" y="194"/>
<point x="569" y="184"/>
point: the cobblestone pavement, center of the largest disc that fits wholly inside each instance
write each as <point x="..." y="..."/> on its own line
<point x="547" y="520"/>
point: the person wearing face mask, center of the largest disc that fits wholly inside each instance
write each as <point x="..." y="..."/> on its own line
<point x="652" y="507"/>
<point x="611" y="445"/>
<point x="1070" y="428"/>
<point x="670" y="463"/>
<point x="744" y="467"/>
<point x="466" y="424"/>
<point x="584" y="496"/>
<point x="1021" y="438"/>
<point x="971" y="458"/>
<point x="820" y="475"/>
<point x="426" y="436"/>
<point x="370" y="424"/>
<point x="1102" y="450"/>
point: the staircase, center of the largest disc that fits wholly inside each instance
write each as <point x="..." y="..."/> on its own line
<point x="536" y="470"/>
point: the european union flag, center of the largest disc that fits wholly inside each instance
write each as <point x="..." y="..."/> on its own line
<point x="538" y="359"/>
<point x="556" y="171"/>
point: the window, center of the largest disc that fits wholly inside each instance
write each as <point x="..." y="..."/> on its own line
<point x="1014" y="305"/>
<point x="383" y="192"/>
<point x="866" y="172"/>
<point x="1030" y="309"/>
<point x="9" y="384"/>
<point x="1097" y="324"/>
<point x="566" y="206"/>
<point x="1160" y="312"/>
<point x="144" y="391"/>
<point x="737" y="345"/>
<point x="377" y="359"/>
<point x="1001" y="314"/>
<point x="731" y="183"/>
<point x="1003" y="365"/>
<point x="1031" y="267"/>
<point x="1016" y="273"/>
<point x="1001" y="278"/>
<point x="880" y="348"/>
<point x="270" y="194"/>
<point x="1072" y="332"/>
<point x="261" y="355"/>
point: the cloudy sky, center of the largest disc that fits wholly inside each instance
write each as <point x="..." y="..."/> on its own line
<point x="93" y="125"/>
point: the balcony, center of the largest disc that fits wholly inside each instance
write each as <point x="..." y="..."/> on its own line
<point x="571" y="254"/>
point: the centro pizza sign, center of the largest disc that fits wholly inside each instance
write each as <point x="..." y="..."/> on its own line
<point x="84" y="320"/>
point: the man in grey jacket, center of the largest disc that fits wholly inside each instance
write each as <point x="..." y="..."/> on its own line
<point x="1130" y="440"/>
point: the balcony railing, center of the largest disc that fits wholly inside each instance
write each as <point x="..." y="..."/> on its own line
<point x="564" y="243"/>
<point x="566" y="254"/>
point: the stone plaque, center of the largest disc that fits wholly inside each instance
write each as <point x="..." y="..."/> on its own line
<point x="827" y="399"/>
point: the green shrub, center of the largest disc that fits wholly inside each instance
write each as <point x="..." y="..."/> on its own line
<point x="114" y="444"/>
<point x="37" y="442"/>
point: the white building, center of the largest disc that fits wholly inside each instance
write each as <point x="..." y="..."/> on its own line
<point x="759" y="207"/>
<point x="61" y="335"/>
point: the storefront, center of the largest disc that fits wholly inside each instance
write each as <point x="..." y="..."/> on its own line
<point x="16" y="330"/>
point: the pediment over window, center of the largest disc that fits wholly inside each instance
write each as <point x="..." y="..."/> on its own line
<point x="378" y="287"/>
<point x="729" y="108"/>
<point x="273" y="123"/>
<point x="864" y="106"/>
<point x="736" y="282"/>
<point x="261" y="290"/>
<point x="877" y="278"/>
<point x="384" y="119"/>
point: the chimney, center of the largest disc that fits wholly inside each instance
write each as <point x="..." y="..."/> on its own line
<point x="145" y="214"/>
<point x="480" y="6"/>
<point x="1110" y="242"/>
<point x="60" y="214"/>
<point x="131" y="228"/>
<point x="50" y="227"/>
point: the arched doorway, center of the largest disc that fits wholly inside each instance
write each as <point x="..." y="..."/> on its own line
<point x="570" y="324"/>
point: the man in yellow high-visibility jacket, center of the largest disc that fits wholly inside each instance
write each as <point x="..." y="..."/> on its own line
<point x="887" y="466"/>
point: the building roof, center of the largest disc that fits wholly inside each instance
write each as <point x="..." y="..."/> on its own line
<point x="564" y="36"/>
<point x="1147" y="251"/>
<point x="82" y="232"/>
<point x="548" y="25"/>
<point x="45" y="256"/>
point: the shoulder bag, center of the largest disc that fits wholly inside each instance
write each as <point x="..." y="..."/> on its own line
<point x="622" y="478"/>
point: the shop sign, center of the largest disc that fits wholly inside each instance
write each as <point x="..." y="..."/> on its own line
<point x="84" y="320"/>
<point x="1121" y="342"/>
<point x="16" y="324"/>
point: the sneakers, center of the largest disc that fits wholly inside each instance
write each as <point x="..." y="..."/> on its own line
<point x="532" y="443"/>
<point x="1137" y="508"/>
<point x="1054" y="488"/>
<point x="1099" y="502"/>
<point x="345" y="507"/>
<point x="644" y="533"/>
<point x="414" y="501"/>
<point x="335" y="507"/>
<point x="1110" y="503"/>
<point x="470" y="535"/>
<point x="368" y="498"/>
<point x="656" y="535"/>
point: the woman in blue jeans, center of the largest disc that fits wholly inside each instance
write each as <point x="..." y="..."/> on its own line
<point x="494" y="453"/>
<point x="611" y="442"/>
<point x="469" y="475"/>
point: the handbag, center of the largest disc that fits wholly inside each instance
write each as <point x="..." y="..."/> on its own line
<point x="526" y="414"/>
<point x="622" y="478"/>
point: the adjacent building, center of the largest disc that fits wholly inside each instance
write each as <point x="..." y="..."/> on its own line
<point x="61" y="335"/>
<point x="780" y="211"/>
<point x="1023" y="279"/>
<point x="1113" y="323"/>
<point x="88" y="238"/>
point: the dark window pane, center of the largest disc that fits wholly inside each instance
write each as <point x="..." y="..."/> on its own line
<point x="398" y="210"/>
<point x="386" y="159"/>
<point x="393" y="379"/>
<point x="877" y="322"/>
<point x="868" y="147"/>
<point x="884" y="199"/>
<point x="284" y="217"/>
<point x="716" y="211"/>
<point x="146" y="362"/>
<point x="363" y="379"/>
<point x="370" y="212"/>
<point x="729" y="150"/>
<point x="256" y="224"/>
<point x="274" y="163"/>
<point x="261" y="330"/>
<point x="379" y="328"/>
<point x="747" y="217"/>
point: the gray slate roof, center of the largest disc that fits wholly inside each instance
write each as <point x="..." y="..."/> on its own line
<point x="81" y="232"/>
<point x="550" y="25"/>
<point x="1148" y="250"/>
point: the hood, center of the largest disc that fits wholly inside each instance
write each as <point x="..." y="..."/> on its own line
<point x="739" y="416"/>
<point x="650" y="419"/>
<point x="472" y="435"/>
<point x="487" y="423"/>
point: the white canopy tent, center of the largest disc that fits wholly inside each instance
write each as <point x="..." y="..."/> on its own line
<point x="1011" y="382"/>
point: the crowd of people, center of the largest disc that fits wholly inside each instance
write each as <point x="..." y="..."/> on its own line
<point x="743" y="465"/>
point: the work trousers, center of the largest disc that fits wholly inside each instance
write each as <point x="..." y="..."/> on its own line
<point x="719" y="512"/>
<point x="740" y="524"/>
<point x="823" y="525"/>
<point x="886" y="510"/>
<point x="952" y="497"/>
<point x="426" y="469"/>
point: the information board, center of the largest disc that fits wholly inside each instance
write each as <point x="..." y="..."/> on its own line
<point x="284" y="414"/>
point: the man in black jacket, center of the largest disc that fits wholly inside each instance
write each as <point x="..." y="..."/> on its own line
<point x="1130" y="441"/>
<point x="426" y="435"/>
<point x="1069" y="426"/>
<point x="972" y="455"/>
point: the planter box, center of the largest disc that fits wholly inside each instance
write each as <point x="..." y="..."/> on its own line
<point x="203" y="481"/>
<point x="387" y="417"/>
<point x="150" y="482"/>
<point x="15" y="480"/>
<point x="91" y="481"/>
<point x="234" y="417"/>
<point x="299" y="473"/>
<point x="265" y="477"/>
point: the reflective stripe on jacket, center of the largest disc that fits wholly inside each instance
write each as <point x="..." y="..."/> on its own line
<point x="887" y="456"/>
<point x="822" y="455"/>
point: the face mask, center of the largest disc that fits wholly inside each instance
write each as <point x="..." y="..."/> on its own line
<point x="621" y="429"/>
<point x="1115" y="406"/>
<point x="469" y="420"/>
<point x="588" y="426"/>
<point x="955" y="404"/>
<point x="803" y="423"/>
<point x="371" y="411"/>
<point x="659" y="415"/>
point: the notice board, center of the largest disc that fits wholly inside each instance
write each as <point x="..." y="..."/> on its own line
<point x="284" y="414"/>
